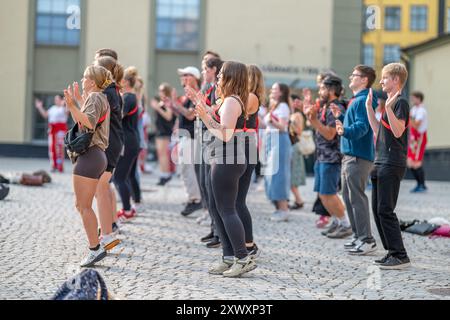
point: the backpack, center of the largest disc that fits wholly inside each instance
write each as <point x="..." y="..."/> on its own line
<point x="88" y="285"/>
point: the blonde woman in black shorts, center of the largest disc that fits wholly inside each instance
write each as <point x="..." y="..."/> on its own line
<point x="89" y="167"/>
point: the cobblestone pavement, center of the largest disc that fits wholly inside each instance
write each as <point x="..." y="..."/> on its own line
<point x="42" y="241"/>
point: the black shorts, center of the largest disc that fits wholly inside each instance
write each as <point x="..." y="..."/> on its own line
<point x="92" y="164"/>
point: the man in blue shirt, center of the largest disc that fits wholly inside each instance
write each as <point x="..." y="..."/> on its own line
<point x="357" y="146"/>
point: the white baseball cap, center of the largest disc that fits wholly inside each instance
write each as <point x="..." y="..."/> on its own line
<point x="190" y="70"/>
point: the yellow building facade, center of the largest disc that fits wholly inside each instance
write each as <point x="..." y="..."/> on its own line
<point x="395" y="24"/>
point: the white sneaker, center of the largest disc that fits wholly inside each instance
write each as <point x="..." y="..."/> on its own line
<point x="109" y="242"/>
<point x="240" y="267"/>
<point x="363" y="248"/>
<point x="93" y="257"/>
<point x="280" y="216"/>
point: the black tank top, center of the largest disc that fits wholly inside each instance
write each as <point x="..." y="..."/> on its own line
<point x="240" y="123"/>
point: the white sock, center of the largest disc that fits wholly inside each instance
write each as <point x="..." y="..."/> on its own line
<point x="344" y="222"/>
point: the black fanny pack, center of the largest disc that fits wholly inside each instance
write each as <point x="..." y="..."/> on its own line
<point x="77" y="142"/>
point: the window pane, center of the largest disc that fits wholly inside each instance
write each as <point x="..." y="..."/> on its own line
<point x="392" y="18"/>
<point x="43" y="35"/>
<point x="43" y="21"/>
<point x="419" y="18"/>
<point x="58" y="6"/>
<point x="368" y="55"/>
<point x="177" y="24"/>
<point x="391" y="53"/>
<point x="448" y="20"/>
<point x="52" y="17"/>
<point x="44" y="6"/>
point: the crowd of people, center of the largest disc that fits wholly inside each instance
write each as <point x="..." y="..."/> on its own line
<point x="223" y="132"/>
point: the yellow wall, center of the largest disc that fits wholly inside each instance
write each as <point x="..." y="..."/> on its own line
<point x="404" y="37"/>
<point x="126" y="29"/>
<point x="430" y="72"/>
<point x="246" y="31"/>
<point x="13" y="73"/>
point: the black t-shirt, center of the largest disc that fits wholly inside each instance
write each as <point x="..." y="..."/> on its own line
<point x="130" y="120"/>
<point x="115" y="104"/>
<point x="164" y="128"/>
<point x="389" y="149"/>
<point x="185" y="123"/>
<point x="328" y="151"/>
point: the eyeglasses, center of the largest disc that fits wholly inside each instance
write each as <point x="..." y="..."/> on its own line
<point x="353" y="75"/>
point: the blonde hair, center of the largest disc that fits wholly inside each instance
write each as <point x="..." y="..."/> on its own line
<point x="113" y="66"/>
<point x="256" y="83"/>
<point x="397" y="70"/>
<point x="101" y="76"/>
<point x="235" y="82"/>
<point x="131" y="75"/>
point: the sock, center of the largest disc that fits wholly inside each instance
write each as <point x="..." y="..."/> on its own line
<point x="96" y="248"/>
<point x="344" y="222"/>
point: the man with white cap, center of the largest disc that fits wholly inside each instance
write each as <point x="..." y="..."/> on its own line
<point x="189" y="77"/>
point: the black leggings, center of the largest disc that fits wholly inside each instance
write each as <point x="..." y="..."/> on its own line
<point x="133" y="183"/>
<point x="123" y="173"/>
<point x="225" y="187"/>
<point x="241" y="203"/>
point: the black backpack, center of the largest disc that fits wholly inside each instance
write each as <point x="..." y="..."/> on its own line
<point x="88" y="285"/>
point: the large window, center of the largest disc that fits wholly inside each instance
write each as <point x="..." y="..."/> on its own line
<point x="448" y="20"/>
<point x="419" y="18"/>
<point x="57" y="22"/>
<point x="178" y="25"/>
<point x="392" y="18"/>
<point x="391" y="54"/>
<point x="368" y="55"/>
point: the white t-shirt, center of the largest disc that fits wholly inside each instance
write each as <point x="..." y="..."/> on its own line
<point x="281" y="112"/>
<point x="419" y="113"/>
<point x="57" y="115"/>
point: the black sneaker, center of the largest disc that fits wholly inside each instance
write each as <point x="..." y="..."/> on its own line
<point x="394" y="263"/>
<point x="190" y="208"/>
<point x="207" y="238"/>
<point x="214" y="243"/>
<point x="163" y="181"/>
<point x="382" y="260"/>
<point x="297" y="206"/>
<point x="331" y="229"/>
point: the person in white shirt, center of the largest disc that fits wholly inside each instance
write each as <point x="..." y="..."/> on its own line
<point x="417" y="140"/>
<point x="57" y="127"/>
<point x="278" y="151"/>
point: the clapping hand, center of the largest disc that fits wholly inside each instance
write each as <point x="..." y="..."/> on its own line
<point x="339" y="128"/>
<point x="391" y="101"/>
<point x="335" y="110"/>
<point x="369" y="100"/>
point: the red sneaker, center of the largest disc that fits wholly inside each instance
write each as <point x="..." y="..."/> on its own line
<point x="125" y="216"/>
<point x="322" y="222"/>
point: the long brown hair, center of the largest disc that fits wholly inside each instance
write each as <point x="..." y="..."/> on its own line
<point x="235" y="82"/>
<point x="256" y="83"/>
<point x="285" y="94"/>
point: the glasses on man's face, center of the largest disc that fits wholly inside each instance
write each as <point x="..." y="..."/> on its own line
<point x="354" y="75"/>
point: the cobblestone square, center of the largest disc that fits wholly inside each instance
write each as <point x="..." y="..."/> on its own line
<point x="42" y="242"/>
